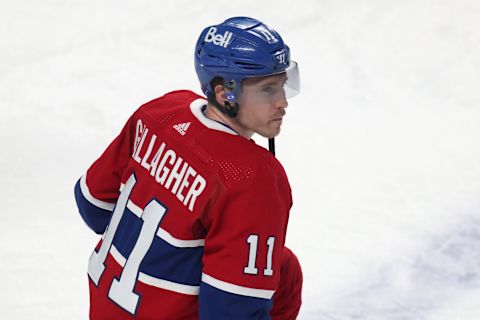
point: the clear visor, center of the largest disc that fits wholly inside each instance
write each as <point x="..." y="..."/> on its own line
<point x="271" y="88"/>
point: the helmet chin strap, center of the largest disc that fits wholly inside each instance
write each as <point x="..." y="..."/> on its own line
<point x="271" y="145"/>
<point x="230" y="110"/>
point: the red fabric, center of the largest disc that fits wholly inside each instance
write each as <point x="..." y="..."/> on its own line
<point x="247" y="193"/>
<point x="288" y="298"/>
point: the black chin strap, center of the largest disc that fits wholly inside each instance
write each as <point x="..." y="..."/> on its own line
<point x="230" y="110"/>
<point x="271" y="145"/>
<point x="227" y="108"/>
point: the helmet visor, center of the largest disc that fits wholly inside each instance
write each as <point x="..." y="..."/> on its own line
<point x="272" y="88"/>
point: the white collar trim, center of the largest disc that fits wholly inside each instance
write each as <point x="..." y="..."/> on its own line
<point x="196" y="108"/>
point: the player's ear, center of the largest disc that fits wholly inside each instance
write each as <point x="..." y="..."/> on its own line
<point x="220" y="93"/>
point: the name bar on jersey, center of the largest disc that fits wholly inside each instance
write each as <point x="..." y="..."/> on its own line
<point x="168" y="169"/>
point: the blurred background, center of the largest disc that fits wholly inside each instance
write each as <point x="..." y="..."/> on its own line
<point x="381" y="146"/>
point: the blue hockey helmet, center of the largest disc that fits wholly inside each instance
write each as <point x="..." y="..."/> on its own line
<point x="241" y="48"/>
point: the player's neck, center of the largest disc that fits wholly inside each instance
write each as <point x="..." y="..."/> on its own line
<point x="213" y="113"/>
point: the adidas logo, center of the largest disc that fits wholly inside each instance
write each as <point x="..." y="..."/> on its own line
<point x="182" y="127"/>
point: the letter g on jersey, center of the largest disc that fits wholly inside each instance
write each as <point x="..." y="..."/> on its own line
<point x="218" y="39"/>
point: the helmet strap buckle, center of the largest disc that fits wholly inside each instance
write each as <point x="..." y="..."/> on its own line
<point x="231" y="106"/>
<point x="230" y="110"/>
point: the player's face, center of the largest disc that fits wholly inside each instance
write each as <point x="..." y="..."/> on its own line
<point x="262" y="105"/>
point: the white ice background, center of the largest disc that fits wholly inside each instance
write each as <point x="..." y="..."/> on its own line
<point x="382" y="147"/>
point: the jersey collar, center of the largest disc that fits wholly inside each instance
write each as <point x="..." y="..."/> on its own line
<point x="196" y="108"/>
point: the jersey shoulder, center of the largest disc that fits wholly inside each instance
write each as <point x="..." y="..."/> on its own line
<point x="236" y="161"/>
<point x="161" y="110"/>
<point x="241" y="163"/>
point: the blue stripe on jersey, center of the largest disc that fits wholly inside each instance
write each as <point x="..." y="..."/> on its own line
<point x="96" y="218"/>
<point x="163" y="261"/>
<point x="231" y="306"/>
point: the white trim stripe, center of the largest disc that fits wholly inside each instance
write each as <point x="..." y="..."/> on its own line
<point x="156" y="282"/>
<point x="163" y="234"/>
<point x="118" y="256"/>
<point x="196" y="108"/>
<point x="233" y="288"/>
<point x="168" y="285"/>
<point x="86" y="193"/>
<point x="134" y="208"/>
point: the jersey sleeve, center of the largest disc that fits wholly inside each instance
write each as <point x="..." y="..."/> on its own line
<point x="243" y="248"/>
<point x="97" y="191"/>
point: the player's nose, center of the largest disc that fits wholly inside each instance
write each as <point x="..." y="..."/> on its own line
<point x="282" y="103"/>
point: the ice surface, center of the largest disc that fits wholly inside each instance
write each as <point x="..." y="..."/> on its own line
<point x="381" y="147"/>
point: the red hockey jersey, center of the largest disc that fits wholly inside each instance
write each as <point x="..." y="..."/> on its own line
<point x="193" y="218"/>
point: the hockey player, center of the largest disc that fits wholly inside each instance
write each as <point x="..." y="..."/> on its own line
<point x="193" y="213"/>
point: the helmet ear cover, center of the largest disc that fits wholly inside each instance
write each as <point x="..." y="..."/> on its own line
<point x="231" y="87"/>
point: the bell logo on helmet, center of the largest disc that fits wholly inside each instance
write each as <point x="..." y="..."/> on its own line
<point x="218" y="39"/>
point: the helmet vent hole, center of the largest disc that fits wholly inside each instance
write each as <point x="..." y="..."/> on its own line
<point x="248" y="66"/>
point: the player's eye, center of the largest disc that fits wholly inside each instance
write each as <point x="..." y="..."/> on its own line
<point x="268" y="89"/>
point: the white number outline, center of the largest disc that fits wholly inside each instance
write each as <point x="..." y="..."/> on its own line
<point x="122" y="290"/>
